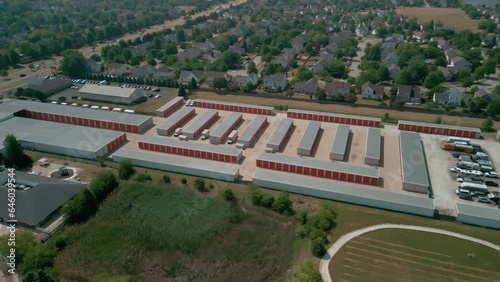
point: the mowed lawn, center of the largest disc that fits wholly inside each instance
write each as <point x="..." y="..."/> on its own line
<point x="404" y="255"/>
<point x="450" y="17"/>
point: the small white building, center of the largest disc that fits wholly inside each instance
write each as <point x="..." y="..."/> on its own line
<point x="111" y="94"/>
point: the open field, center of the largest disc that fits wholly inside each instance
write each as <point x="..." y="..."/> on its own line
<point x="450" y="17"/>
<point x="403" y="255"/>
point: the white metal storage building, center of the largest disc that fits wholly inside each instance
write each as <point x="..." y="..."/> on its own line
<point x="200" y="124"/>
<point x="339" y="145"/>
<point x="481" y="216"/>
<point x="170" y="107"/>
<point x="175" y="120"/>
<point x="309" y="139"/>
<point x="111" y="94"/>
<point x="249" y="136"/>
<point x="220" y="134"/>
<point x="191" y="149"/>
<point x="372" y="152"/>
<point x="182" y="165"/>
<point x="279" y="135"/>
<point x="62" y="139"/>
<point x="345" y="193"/>
<point x="414" y="166"/>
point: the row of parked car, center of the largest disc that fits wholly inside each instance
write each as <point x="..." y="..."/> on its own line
<point x="102" y="108"/>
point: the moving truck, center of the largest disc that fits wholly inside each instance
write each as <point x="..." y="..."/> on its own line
<point x="205" y="134"/>
<point x="232" y="137"/>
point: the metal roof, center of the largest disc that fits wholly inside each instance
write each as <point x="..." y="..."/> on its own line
<point x="280" y="132"/>
<point x="340" y="167"/>
<point x="439" y="125"/>
<point x="198" y="123"/>
<point x="77" y="112"/>
<point x="191" y="145"/>
<point x="225" y="125"/>
<point x="106" y="90"/>
<point x="182" y="164"/>
<point x="69" y="136"/>
<point x="341" y="191"/>
<point x="35" y="204"/>
<point x="169" y="104"/>
<point x="414" y="166"/>
<point x="309" y="136"/>
<point x="175" y="118"/>
<point x="252" y="128"/>
<point x="477" y="211"/>
<point x="334" y="115"/>
<point x="339" y="144"/>
<point x="373" y="143"/>
<point x="234" y="104"/>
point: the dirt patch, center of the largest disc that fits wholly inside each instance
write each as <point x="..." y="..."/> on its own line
<point x="450" y="17"/>
<point x="187" y="8"/>
<point x="55" y="174"/>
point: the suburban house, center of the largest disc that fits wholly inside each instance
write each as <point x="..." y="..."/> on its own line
<point x="459" y="64"/>
<point x="306" y="87"/>
<point x="442" y="43"/>
<point x="322" y="62"/>
<point x="450" y="97"/>
<point x="285" y="58"/>
<point x="338" y="87"/>
<point x="92" y="66"/>
<point x="487" y="97"/>
<point x="190" y="53"/>
<point x="372" y="91"/>
<point x="448" y="73"/>
<point x="451" y="53"/>
<point x="275" y="81"/>
<point x="115" y="69"/>
<point x="408" y="93"/>
<point x="164" y="73"/>
<point x="187" y="76"/>
<point x="204" y="47"/>
<point x="142" y="72"/>
<point x="241" y="80"/>
<point x="419" y="36"/>
<point x="211" y="75"/>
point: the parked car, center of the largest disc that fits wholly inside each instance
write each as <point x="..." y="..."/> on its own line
<point x="462" y="191"/>
<point x="460" y="179"/>
<point x="491" y="174"/>
<point x="483" y="199"/>
<point x="465" y="197"/>
<point x="157" y="96"/>
<point x="455" y="169"/>
<point x="491" y="183"/>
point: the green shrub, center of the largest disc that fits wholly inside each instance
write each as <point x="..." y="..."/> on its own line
<point x="302" y="217"/>
<point x="165" y="179"/>
<point x="318" y="247"/>
<point x="103" y="184"/>
<point x="283" y="204"/>
<point x="255" y="195"/>
<point x="80" y="207"/>
<point x="125" y="169"/>
<point x="143" y="177"/>
<point x="228" y="195"/>
<point x="183" y="180"/>
<point x="308" y="272"/>
<point x="267" y="201"/>
<point x="200" y="185"/>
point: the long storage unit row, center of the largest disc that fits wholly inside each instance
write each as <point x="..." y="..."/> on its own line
<point x="364" y="175"/>
<point x="249" y="136"/>
<point x="220" y="171"/>
<point x="345" y="193"/>
<point x="373" y="142"/>
<point x="480" y="216"/>
<point x="279" y="135"/>
<point x="80" y="116"/>
<point x="339" y="145"/>
<point x="234" y="107"/>
<point x="191" y="149"/>
<point x="441" y="129"/>
<point x="170" y="107"/>
<point x="220" y="134"/>
<point x="309" y="139"/>
<point x="174" y="121"/>
<point x="334" y="117"/>
<point x="414" y="166"/>
<point x="200" y="124"/>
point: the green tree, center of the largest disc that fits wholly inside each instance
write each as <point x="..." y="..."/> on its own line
<point x="337" y="69"/>
<point x="134" y="61"/>
<point x="476" y="105"/>
<point x="267" y="200"/>
<point x="182" y="91"/>
<point x="383" y="73"/>
<point x="493" y="108"/>
<point x="4" y="73"/>
<point x="490" y="67"/>
<point x="24" y="242"/>
<point x="308" y="272"/>
<point x="407" y="77"/>
<point x="228" y="195"/>
<point x="219" y="83"/>
<point x="126" y="54"/>
<point x="433" y="79"/>
<point x="183" y="180"/>
<point x="72" y="63"/>
<point x="39" y="276"/>
<point x="478" y="74"/>
<point x="80" y="207"/>
<point x="248" y="87"/>
<point x="165" y="179"/>
<point x="180" y="35"/>
<point x="125" y="169"/>
<point x="200" y="185"/>
<point x="488" y="124"/>
<point x="283" y="204"/>
<point x="103" y="184"/>
<point x="318" y="247"/>
<point x="193" y="84"/>
<point x="251" y="68"/>
<point x="255" y="195"/>
<point x="467" y="82"/>
<point x="232" y="59"/>
<point x="439" y="120"/>
<point x="14" y="155"/>
<point x="37" y="258"/>
<point x="143" y="177"/>
<point x="303" y="74"/>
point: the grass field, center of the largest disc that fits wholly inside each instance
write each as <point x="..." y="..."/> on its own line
<point x="152" y="234"/>
<point x="404" y="255"/>
<point x="450" y="17"/>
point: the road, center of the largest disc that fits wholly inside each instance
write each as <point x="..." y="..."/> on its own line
<point x="12" y="82"/>
<point x="325" y="260"/>
<point x="353" y="69"/>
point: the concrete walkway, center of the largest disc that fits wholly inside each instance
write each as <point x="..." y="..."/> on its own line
<point x="325" y="260"/>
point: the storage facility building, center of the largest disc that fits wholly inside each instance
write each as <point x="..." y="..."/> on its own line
<point x="309" y="139"/>
<point x="62" y="139"/>
<point x="112" y="94"/>
<point x="220" y="134"/>
<point x="414" y="166"/>
<point x="190" y="149"/>
<point x="441" y="129"/>
<point x="207" y="169"/>
<point x="249" y="136"/>
<point x="338" y="171"/>
<point x="200" y="124"/>
<point x="234" y="107"/>
<point x="81" y="116"/>
<point x="280" y="134"/>
<point x="170" y="107"/>
<point x="339" y="145"/>
<point x="174" y="121"/>
<point x="344" y="193"/>
<point x="373" y="143"/>
<point x="476" y="215"/>
<point x="334" y="117"/>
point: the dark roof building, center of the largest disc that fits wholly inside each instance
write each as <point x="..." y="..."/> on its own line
<point x="51" y="86"/>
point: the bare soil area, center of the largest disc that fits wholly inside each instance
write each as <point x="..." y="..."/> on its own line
<point x="451" y="17"/>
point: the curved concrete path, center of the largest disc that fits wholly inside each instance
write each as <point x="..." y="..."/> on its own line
<point x="325" y="260"/>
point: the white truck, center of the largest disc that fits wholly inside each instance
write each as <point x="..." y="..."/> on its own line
<point x="232" y="137"/>
<point x="177" y="131"/>
<point x="205" y="134"/>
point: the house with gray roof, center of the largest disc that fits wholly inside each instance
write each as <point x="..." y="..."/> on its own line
<point x="187" y="76"/>
<point x="451" y="97"/>
<point x="241" y="80"/>
<point x="394" y="71"/>
<point x="448" y="73"/>
<point x="408" y="93"/>
<point x="164" y="73"/>
<point x="211" y="75"/>
<point x="144" y="71"/>
<point x="190" y="53"/>
<point x="372" y="91"/>
<point x="275" y="81"/>
<point x="306" y="87"/>
<point x="338" y="87"/>
<point x="92" y="66"/>
<point x="460" y="64"/>
<point x="115" y="69"/>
